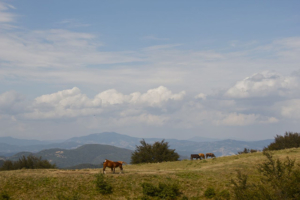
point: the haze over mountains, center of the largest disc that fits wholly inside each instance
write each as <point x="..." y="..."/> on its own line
<point x="10" y="146"/>
<point x="93" y="154"/>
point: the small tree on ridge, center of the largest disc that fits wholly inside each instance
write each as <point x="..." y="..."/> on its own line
<point x="158" y="152"/>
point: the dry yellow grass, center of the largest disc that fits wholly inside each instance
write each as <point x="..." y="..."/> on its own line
<point x="192" y="176"/>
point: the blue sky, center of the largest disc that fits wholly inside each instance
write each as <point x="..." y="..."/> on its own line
<point x="173" y="69"/>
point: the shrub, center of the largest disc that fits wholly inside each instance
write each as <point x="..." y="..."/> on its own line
<point x="4" y="195"/>
<point x="74" y="196"/>
<point x="158" y="152"/>
<point x="184" y="198"/>
<point x="210" y="192"/>
<point x="247" y="151"/>
<point x="164" y="191"/>
<point x="102" y="185"/>
<point x="224" y="194"/>
<point x="289" y="140"/>
<point x="29" y="162"/>
<point x="279" y="180"/>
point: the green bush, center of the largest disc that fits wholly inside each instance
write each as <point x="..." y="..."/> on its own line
<point x="184" y="198"/>
<point x="4" y="195"/>
<point x="102" y="185"/>
<point x="247" y="151"/>
<point x="29" y="162"/>
<point x="210" y="192"/>
<point x="289" y="140"/>
<point x="158" y="152"/>
<point x="75" y="196"/>
<point x="223" y="195"/>
<point x="164" y="191"/>
<point x="279" y="180"/>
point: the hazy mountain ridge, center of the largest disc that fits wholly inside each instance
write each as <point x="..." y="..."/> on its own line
<point x="23" y="142"/>
<point x="183" y="147"/>
<point x="87" y="154"/>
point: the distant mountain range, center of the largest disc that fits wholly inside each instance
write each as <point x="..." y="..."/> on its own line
<point x="11" y="146"/>
<point x="89" y="154"/>
<point x="203" y="139"/>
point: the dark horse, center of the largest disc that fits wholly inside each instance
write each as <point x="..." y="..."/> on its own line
<point x="210" y="155"/>
<point x="112" y="165"/>
<point x="195" y="156"/>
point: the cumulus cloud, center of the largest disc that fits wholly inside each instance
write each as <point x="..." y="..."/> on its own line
<point x="72" y="103"/>
<point x="264" y="84"/>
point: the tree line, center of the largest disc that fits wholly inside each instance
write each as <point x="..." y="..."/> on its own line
<point x="29" y="162"/>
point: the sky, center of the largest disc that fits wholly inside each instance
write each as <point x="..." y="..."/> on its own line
<point x="167" y="69"/>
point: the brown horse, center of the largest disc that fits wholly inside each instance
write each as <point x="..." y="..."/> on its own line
<point x="201" y="156"/>
<point x="112" y="165"/>
<point x="195" y="156"/>
<point x="122" y="162"/>
<point x="210" y="155"/>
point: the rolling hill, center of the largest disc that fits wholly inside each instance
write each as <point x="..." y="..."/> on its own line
<point x="87" y="154"/>
<point x="192" y="177"/>
<point x="183" y="147"/>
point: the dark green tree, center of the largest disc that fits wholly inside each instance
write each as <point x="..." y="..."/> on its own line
<point x="29" y="162"/>
<point x="158" y="152"/>
<point x="289" y="140"/>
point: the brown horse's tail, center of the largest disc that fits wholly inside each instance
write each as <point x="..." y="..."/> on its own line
<point x="122" y="162"/>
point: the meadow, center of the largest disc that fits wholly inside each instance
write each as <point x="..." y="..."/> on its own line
<point x="193" y="178"/>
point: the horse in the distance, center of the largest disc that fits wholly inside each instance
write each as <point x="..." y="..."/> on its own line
<point x="210" y="155"/>
<point x="122" y="162"/>
<point x="201" y="156"/>
<point x="112" y="165"/>
<point x="195" y="156"/>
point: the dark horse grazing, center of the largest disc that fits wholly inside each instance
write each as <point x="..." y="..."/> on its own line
<point x="210" y="155"/>
<point x="112" y="165"/>
<point x="195" y="156"/>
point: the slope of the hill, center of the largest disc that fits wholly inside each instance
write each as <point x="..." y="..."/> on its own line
<point x="193" y="178"/>
<point x="89" y="153"/>
<point x="85" y="166"/>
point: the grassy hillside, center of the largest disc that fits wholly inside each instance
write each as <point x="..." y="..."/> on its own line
<point x="193" y="177"/>
<point x="85" y="166"/>
<point x="89" y="153"/>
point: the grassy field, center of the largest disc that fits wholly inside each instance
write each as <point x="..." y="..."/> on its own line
<point x="193" y="177"/>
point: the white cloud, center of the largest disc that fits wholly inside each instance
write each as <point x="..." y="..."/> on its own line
<point x="56" y="49"/>
<point x="201" y="96"/>
<point x="72" y="103"/>
<point x="290" y="108"/>
<point x="6" y="17"/>
<point x="264" y="84"/>
<point x="11" y="103"/>
<point x="238" y="119"/>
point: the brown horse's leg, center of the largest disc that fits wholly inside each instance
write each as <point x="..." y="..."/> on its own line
<point x="121" y="169"/>
<point x="104" y="166"/>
